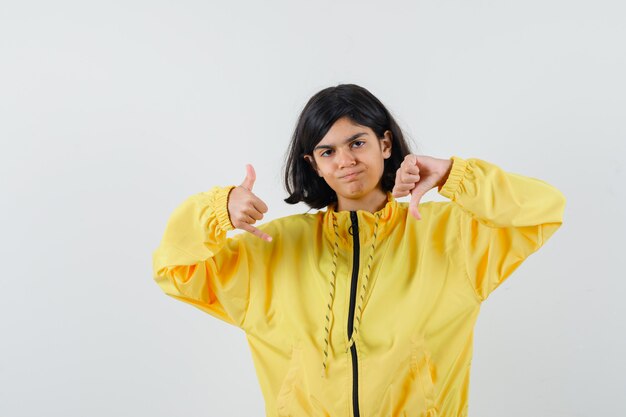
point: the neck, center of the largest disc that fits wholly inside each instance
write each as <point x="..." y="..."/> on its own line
<point x="372" y="203"/>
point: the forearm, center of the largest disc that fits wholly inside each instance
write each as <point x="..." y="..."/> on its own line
<point x="499" y="198"/>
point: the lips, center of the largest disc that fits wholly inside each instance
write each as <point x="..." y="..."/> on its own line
<point x="351" y="175"/>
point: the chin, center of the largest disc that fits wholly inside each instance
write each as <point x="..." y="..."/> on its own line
<point x="355" y="193"/>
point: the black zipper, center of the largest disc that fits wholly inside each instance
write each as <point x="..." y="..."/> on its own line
<point x="353" y="287"/>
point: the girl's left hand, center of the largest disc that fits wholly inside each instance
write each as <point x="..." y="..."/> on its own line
<point x="417" y="175"/>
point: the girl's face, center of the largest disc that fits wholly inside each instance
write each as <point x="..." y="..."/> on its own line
<point x="351" y="159"/>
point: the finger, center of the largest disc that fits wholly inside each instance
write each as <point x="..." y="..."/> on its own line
<point x="259" y="204"/>
<point x="418" y="192"/>
<point x="409" y="178"/>
<point x="399" y="191"/>
<point x="257" y="232"/>
<point x="410" y="159"/>
<point x="410" y="164"/>
<point x="248" y="182"/>
<point x="404" y="188"/>
<point x="415" y="199"/>
<point x="415" y="213"/>
<point x="412" y="169"/>
<point x="254" y="214"/>
<point x="400" y="188"/>
<point x="242" y="219"/>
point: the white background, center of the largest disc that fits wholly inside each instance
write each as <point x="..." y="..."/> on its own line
<point x="112" y="113"/>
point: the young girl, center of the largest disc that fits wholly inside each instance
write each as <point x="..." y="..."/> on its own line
<point x="366" y="308"/>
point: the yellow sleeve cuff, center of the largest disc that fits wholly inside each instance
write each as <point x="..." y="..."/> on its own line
<point x="221" y="208"/>
<point x="451" y="186"/>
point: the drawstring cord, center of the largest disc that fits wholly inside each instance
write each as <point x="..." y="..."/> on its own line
<point x="359" y="310"/>
<point x="332" y="296"/>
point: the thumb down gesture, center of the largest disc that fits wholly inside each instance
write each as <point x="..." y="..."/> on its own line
<point x="417" y="175"/>
<point x="245" y="208"/>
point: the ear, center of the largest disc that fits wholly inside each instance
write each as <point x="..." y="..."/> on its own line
<point x="311" y="161"/>
<point x="385" y="144"/>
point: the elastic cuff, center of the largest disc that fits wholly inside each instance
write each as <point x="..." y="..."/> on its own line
<point x="457" y="172"/>
<point x="221" y="208"/>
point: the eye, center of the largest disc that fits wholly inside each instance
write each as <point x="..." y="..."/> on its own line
<point x="324" y="153"/>
<point x="358" y="143"/>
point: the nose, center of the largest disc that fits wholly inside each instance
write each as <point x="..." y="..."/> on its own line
<point x="345" y="158"/>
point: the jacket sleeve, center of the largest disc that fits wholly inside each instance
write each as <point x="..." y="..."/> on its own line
<point x="504" y="218"/>
<point x="196" y="263"/>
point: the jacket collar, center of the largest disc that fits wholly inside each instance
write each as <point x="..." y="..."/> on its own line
<point x="386" y="218"/>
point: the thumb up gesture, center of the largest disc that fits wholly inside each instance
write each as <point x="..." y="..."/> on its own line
<point x="245" y="208"/>
<point x="417" y="175"/>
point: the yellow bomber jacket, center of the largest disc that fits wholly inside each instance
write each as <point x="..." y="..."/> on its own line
<point x="357" y="313"/>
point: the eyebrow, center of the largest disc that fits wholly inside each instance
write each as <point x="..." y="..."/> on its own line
<point x="350" y="139"/>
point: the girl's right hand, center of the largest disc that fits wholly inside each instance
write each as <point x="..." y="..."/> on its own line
<point x="245" y="208"/>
